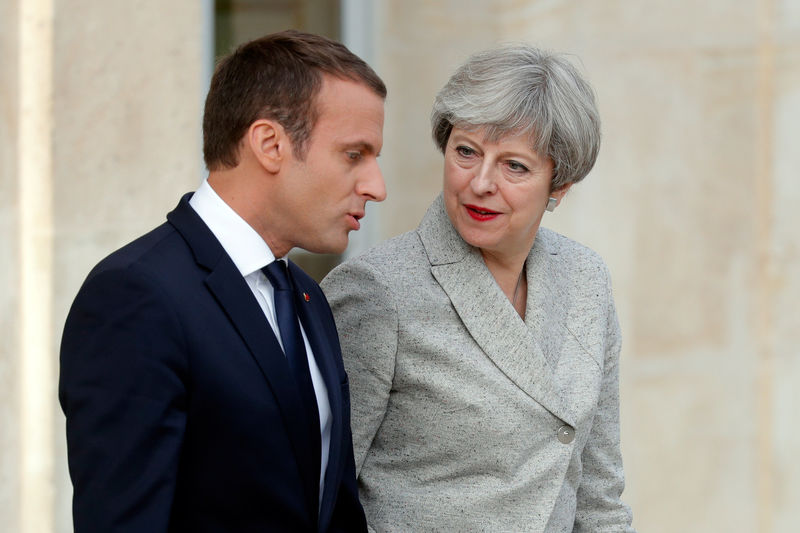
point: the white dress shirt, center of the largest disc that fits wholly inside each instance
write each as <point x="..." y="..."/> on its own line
<point x="250" y="254"/>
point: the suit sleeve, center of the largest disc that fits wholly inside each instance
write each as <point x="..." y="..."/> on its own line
<point x="121" y="387"/>
<point x="599" y="504"/>
<point x="367" y="321"/>
<point x="348" y="515"/>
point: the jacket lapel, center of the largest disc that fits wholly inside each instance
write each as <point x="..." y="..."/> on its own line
<point x="487" y="314"/>
<point x="326" y="351"/>
<point x="236" y="299"/>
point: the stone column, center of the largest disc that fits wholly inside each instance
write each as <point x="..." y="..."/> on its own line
<point x="10" y="227"/>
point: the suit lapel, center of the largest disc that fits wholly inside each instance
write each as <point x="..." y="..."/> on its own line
<point x="544" y="311"/>
<point x="326" y="352"/>
<point x="231" y="291"/>
<point x="486" y="313"/>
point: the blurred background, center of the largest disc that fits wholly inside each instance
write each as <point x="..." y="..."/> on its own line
<point x="694" y="203"/>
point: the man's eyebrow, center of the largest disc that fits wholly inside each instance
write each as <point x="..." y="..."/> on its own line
<point x="362" y="146"/>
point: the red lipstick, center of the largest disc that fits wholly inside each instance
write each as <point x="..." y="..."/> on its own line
<point x="479" y="213"/>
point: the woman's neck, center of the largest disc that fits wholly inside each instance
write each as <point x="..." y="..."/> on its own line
<point x="509" y="273"/>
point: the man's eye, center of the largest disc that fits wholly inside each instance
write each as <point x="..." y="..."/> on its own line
<point x="464" y="151"/>
<point x="354" y="156"/>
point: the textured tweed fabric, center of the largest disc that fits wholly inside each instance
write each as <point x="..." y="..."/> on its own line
<point x="462" y="411"/>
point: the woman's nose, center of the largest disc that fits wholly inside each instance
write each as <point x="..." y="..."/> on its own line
<point x="485" y="179"/>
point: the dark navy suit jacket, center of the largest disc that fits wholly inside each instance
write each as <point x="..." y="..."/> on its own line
<point x="181" y="410"/>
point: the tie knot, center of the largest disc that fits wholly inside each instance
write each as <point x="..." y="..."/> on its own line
<point x="278" y="275"/>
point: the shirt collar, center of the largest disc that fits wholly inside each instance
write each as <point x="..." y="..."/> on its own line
<point x="241" y="242"/>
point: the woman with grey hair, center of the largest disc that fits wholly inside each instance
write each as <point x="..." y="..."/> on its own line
<point x="482" y="350"/>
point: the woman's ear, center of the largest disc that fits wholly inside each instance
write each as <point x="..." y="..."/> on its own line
<point x="268" y="143"/>
<point x="558" y="194"/>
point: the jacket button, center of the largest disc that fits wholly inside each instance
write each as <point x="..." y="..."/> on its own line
<point x="566" y="434"/>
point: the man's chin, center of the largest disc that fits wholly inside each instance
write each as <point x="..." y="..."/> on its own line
<point x="328" y="247"/>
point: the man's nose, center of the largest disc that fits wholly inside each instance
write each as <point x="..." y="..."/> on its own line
<point x="372" y="185"/>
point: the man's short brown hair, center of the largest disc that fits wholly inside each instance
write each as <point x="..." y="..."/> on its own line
<point x="276" y="77"/>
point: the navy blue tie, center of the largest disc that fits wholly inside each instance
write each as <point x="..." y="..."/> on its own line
<point x="294" y="347"/>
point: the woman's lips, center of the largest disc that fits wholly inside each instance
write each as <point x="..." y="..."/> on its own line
<point x="481" y="213"/>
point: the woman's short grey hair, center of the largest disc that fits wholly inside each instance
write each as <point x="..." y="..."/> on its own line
<point x="519" y="89"/>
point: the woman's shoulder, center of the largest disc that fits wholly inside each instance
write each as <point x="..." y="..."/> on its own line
<point x="400" y="250"/>
<point x="387" y="262"/>
<point x="569" y="253"/>
<point x="556" y="243"/>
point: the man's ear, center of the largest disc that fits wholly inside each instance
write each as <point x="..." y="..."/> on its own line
<point x="268" y="143"/>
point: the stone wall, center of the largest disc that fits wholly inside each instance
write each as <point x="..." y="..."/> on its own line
<point x="693" y="203"/>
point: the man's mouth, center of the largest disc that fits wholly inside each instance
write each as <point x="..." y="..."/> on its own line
<point x="355" y="225"/>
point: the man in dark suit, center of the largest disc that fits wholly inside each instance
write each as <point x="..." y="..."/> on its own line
<point x="202" y="381"/>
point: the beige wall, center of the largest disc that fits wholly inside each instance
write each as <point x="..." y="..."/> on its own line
<point x="10" y="475"/>
<point x="693" y="203"/>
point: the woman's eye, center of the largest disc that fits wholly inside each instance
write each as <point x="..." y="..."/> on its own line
<point x="464" y="151"/>
<point x="517" y="167"/>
